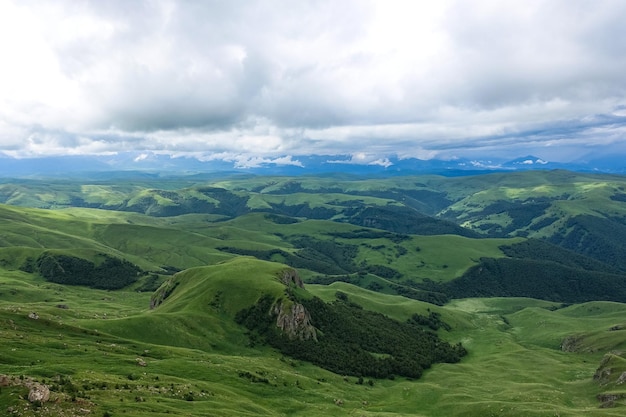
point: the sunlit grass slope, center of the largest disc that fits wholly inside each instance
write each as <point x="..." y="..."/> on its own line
<point x="193" y="240"/>
<point x="573" y="210"/>
<point x="199" y="312"/>
<point x="565" y="194"/>
<point x="526" y="357"/>
<point x="439" y="258"/>
<point x="197" y="362"/>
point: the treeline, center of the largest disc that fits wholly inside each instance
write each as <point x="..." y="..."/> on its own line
<point x="340" y="254"/>
<point x="433" y="295"/>
<point x="536" y="269"/>
<point x="280" y="219"/>
<point x="319" y="255"/>
<point x="304" y="210"/>
<point x="540" y="250"/>
<point x="600" y="238"/>
<point x="545" y="280"/>
<point x="354" y="279"/>
<point x="404" y="220"/>
<point x="354" y="341"/>
<point x="371" y="234"/>
<point x="110" y="274"/>
<point x="433" y="320"/>
<point x="409" y="289"/>
<point x="335" y="260"/>
<point x="521" y="212"/>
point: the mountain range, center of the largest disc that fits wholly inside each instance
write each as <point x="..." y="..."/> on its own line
<point x="145" y="163"/>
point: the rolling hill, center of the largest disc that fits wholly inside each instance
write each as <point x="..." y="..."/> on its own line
<point x="497" y="294"/>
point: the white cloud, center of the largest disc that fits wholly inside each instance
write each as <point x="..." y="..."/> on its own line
<point x="275" y="78"/>
<point x="384" y="162"/>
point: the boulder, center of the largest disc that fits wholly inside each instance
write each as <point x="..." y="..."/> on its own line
<point x="608" y="400"/>
<point x="39" y="393"/>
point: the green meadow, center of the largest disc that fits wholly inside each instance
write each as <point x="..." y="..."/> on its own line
<point x="205" y="252"/>
<point x="198" y="363"/>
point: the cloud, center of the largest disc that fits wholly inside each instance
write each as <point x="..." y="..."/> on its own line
<point x="252" y="161"/>
<point x="274" y="78"/>
<point x="533" y="162"/>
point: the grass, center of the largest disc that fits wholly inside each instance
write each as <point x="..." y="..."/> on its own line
<point x="191" y="240"/>
<point x="513" y="368"/>
<point x="462" y="199"/>
<point x="198" y="361"/>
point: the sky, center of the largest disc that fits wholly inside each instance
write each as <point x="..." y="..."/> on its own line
<point x="270" y="80"/>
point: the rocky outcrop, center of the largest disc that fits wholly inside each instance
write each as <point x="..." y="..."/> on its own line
<point x="164" y="291"/>
<point x="611" y="375"/>
<point x="608" y="400"/>
<point x="290" y="277"/>
<point x="38" y="393"/>
<point x="293" y="319"/>
<point x="572" y="343"/>
<point x="604" y="370"/>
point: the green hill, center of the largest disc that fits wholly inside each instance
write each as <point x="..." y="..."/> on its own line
<point x="106" y="351"/>
<point x="202" y="311"/>
<point x="573" y="210"/>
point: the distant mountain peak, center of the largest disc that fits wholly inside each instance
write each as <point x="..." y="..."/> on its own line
<point x="528" y="160"/>
<point x="287" y="165"/>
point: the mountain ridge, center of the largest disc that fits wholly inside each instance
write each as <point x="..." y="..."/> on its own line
<point x="142" y="164"/>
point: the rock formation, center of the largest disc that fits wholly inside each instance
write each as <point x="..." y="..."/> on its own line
<point x="39" y="393"/>
<point x="164" y="291"/>
<point x="293" y="319"/>
<point x="290" y="276"/>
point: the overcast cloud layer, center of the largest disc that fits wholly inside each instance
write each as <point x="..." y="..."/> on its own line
<point x="268" y="79"/>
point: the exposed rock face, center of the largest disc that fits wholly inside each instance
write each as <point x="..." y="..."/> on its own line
<point x="292" y="318"/>
<point x="290" y="276"/>
<point x="39" y="393"/>
<point x="571" y="344"/>
<point x="33" y="316"/>
<point x="295" y="321"/>
<point x="164" y="291"/>
<point x="604" y="371"/>
<point x="608" y="400"/>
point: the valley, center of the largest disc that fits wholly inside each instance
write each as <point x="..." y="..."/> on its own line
<point x="126" y="297"/>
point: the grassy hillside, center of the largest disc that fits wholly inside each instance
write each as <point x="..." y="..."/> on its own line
<point x="159" y="244"/>
<point x="572" y="210"/>
<point x="107" y="352"/>
<point x="208" y="251"/>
